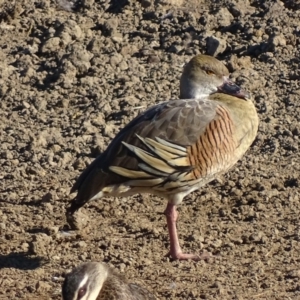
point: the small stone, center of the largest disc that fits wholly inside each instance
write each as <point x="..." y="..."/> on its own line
<point x="51" y="45"/>
<point x="25" y="247"/>
<point x="111" y="26"/>
<point x="82" y="244"/>
<point x="241" y="8"/>
<point x="123" y="65"/>
<point x="53" y="230"/>
<point x="215" y="45"/>
<point x="278" y="40"/>
<point x="122" y="267"/>
<point x="40" y="244"/>
<point x="89" y="3"/>
<point x="42" y="286"/>
<point x="80" y="58"/>
<point x="26" y="104"/>
<point x="217" y="243"/>
<point x="224" y="17"/>
<point x="7" y="155"/>
<point x="256" y="237"/>
<point x="83" y="256"/>
<point x="145" y="3"/>
<point x="115" y="59"/>
<point x="294" y="274"/>
<point x="78" y="220"/>
<point x="117" y="37"/>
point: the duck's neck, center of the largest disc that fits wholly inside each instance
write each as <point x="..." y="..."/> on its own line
<point x="191" y="92"/>
<point x="189" y="89"/>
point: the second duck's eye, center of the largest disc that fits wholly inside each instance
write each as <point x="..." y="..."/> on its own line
<point x="81" y="293"/>
<point x="209" y="72"/>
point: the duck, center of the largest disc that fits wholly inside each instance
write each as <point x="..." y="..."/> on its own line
<point x="175" y="147"/>
<point x="97" y="281"/>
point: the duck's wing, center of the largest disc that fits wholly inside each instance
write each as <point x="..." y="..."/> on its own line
<point x="169" y="146"/>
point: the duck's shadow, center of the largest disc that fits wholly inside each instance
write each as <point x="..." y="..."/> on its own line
<point x="21" y="261"/>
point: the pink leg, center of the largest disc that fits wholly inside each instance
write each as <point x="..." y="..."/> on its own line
<point x="175" y="250"/>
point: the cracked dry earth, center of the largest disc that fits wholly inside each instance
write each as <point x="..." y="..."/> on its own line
<point x="72" y="74"/>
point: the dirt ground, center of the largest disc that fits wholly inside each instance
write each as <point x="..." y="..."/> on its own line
<point x="72" y="74"/>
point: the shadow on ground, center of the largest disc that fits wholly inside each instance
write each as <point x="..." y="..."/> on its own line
<point x="21" y="261"/>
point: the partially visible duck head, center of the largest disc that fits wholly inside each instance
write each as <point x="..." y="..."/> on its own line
<point x="95" y="280"/>
<point x="85" y="281"/>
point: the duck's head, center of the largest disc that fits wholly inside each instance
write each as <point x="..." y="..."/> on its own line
<point x="85" y="281"/>
<point x="204" y="75"/>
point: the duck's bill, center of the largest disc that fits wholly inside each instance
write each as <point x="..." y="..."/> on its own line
<point x="230" y="88"/>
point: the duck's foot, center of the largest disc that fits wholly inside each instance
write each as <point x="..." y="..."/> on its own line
<point x="189" y="256"/>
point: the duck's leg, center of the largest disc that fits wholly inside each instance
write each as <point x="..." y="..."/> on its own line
<point x="175" y="250"/>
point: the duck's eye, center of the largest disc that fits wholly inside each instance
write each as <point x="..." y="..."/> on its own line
<point x="81" y="293"/>
<point x="209" y="72"/>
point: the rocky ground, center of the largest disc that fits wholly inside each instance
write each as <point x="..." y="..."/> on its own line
<point x="72" y="74"/>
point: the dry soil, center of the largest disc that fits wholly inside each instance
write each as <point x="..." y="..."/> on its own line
<point x="73" y="73"/>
